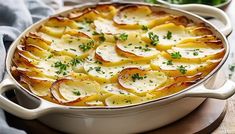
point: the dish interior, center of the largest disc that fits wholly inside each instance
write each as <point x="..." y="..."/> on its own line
<point x="115" y="55"/>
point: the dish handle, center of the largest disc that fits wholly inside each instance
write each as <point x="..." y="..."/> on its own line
<point x="224" y="92"/>
<point x="209" y="11"/>
<point x="17" y="110"/>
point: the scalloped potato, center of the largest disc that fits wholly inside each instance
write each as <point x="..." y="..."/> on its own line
<point x="114" y="55"/>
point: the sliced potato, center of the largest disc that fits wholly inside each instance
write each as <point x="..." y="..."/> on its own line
<point x="87" y="15"/>
<point x="140" y="81"/>
<point x="114" y="89"/>
<point x="176" y="68"/>
<point x="104" y="73"/>
<point x="135" y="49"/>
<point x="60" y="22"/>
<point x="106" y="11"/>
<point x="135" y="16"/>
<point x="123" y="100"/>
<point x="38" y="86"/>
<point x="197" y="54"/>
<point x="37" y="40"/>
<point x="74" y="90"/>
<point x="53" y="31"/>
<point x="171" y="89"/>
<point x="106" y="53"/>
<point x="74" y="46"/>
<point x="168" y="35"/>
<point x="105" y="26"/>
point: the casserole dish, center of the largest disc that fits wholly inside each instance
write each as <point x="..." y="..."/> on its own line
<point x="127" y="119"/>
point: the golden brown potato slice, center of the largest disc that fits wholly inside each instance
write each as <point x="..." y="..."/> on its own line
<point x="106" y="53"/>
<point x="133" y="47"/>
<point x="163" y="37"/>
<point x="140" y="81"/>
<point x="38" y="86"/>
<point x="106" y="11"/>
<point x="60" y="22"/>
<point x="136" y="16"/>
<point x="74" y="90"/>
<point x="177" y="68"/>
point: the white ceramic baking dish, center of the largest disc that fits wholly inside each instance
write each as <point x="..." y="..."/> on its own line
<point x="127" y="119"/>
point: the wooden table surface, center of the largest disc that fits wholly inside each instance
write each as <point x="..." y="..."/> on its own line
<point x="228" y="124"/>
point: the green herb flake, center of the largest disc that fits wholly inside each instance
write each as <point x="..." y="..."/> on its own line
<point x="168" y="35"/>
<point x="101" y="36"/>
<point x="136" y="76"/>
<point x="123" y="37"/>
<point x="76" y="92"/>
<point x="72" y="49"/>
<point x="176" y="55"/>
<point x="195" y="53"/>
<point x="144" y="28"/>
<point x="86" y="47"/>
<point x="97" y="69"/>
<point x="50" y="56"/>
<point x="232" y="67"/>
<point x="75" y="61"/>
<point x="182" y="69"/>
<point x="169" y="62"/>
<point x="62" y="67"/>
<point x="154" y="38"/>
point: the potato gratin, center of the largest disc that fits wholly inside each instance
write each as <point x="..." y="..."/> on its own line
<point x="115" y="55"/>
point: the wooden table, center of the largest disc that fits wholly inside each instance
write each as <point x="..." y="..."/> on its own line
<point x="228" y="124"/>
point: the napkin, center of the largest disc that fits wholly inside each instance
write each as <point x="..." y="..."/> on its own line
<point x="15" y="17"/>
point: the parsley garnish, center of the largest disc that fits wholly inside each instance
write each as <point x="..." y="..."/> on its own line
<point x="137" y="77"/>
<point x="72" y="49"/>
<point x="154" y="38"/>
<point x="169" y="62"/>
<point x="75" y="61"/>
<point x="62" y="67"/>
<point x="195" y="53"/>
<point x="182" y="69"/>
<point x="145" y="28"/>
<point x="86" y="47"/>
<point x="101" y="36"/>
<point x="232" y="67"/>
<point x="76" y="92"/>
<point x="168" y="35"/>
<point x="50" y="56"/>
<point x="123" y="37"/>
<point x="97" y="69"/>
<point x="176" y="55"/>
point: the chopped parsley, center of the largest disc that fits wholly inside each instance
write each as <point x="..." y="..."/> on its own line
<point x="62" y="67"/>
<point x="123" y="37"/>
<point x="143" y="48"/>
<point x="145" y="28"/>
<point x="169" y="62"/>
<point x="182" y="69"/>
<point x="50" y="56"/>
<point x="76" y="92"/>
<point x="154" y="38"/>
<point x="136" y="76"/>
<point x="176" y="55"/>
<point x="168" y="35"/>
<point x="232" y="67"/>
<point x="97" y="69"/>
<point x="195" y="53"/>
<point x="72" y="49"/>
<point x="75" y="61"/>
<point x="101" y="36"/>
<point x="86" y="47"/>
